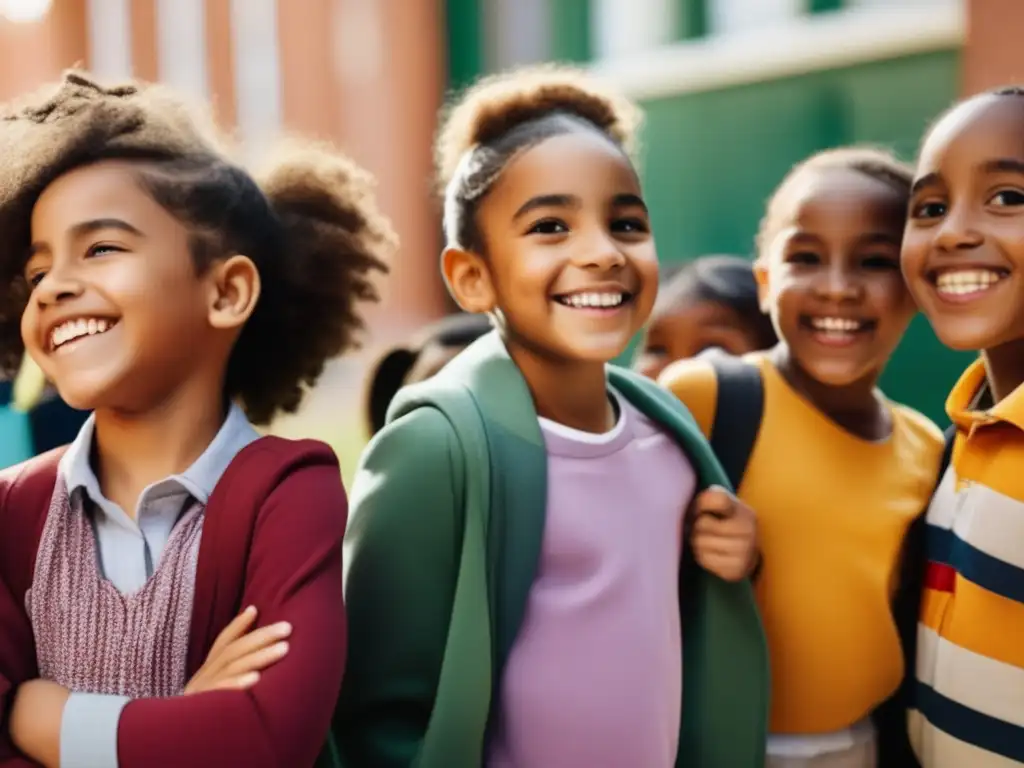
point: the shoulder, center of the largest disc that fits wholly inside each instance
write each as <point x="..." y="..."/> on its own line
<point x="278" y="473"/>
<point x="925" y="434"/>
<point x="414" y="454"/>
<point x="917" y="441"/>
<point x="407" y="493"/>
<point x="695" y="384"/>
<point x="25" y="493"/>
<point x="29" y="482"/>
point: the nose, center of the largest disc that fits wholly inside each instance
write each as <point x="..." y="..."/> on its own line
<point x="955" y="232"/>
<point x="56" y="286"/>
<point x="600" y="252"/>
<point x="838" y="285"/>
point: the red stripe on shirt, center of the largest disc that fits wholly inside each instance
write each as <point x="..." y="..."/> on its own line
<point x="940" y="577"/>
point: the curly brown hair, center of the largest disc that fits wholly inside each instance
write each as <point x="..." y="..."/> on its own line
<point x="309" y="222"/>
<point x="878" y="164"/>
<point x="504" y="114"/>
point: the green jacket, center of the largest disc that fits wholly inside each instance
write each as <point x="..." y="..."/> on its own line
<point x="447" y="517"/>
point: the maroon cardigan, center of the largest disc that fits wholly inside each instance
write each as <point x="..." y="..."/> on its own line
<point x="271" y="538"/>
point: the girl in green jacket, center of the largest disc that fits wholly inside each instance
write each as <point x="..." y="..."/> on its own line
<point x="535" y="536"/>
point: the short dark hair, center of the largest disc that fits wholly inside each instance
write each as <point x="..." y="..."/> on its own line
<point x="310" y="224"/>
<point x="722" y="279"/>
<point x="878" y="164"/>
<point x="504" y="114"/>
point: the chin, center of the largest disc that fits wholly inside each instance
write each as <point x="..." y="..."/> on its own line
<point x="964" y="336"/>
<point x="837" y="375"/>
<point x="598" y="353"/>
<point x="85" y="392"/>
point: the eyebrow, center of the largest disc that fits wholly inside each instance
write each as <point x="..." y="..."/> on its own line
<point x="624" y="200"/>
<point x="89" y="227"/>
<point x="925" y="181"/>
<point x="546" y="201"/>
<point x="1004" y="165"/>
<point x="627" y="200"/>
<point x="880" y="238"/>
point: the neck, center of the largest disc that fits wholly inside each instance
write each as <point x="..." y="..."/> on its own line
<point x="134" y="450"/>
<point x="572" y="393"/>
<point x="855" y="407"/>
<point x="1004" y="367"/>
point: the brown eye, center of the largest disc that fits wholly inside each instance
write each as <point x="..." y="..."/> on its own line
<point x="548" y="227"/>
<point x="929" y="210"/>
<point x="803" y="257"/>
<point x="1008" y="198"/>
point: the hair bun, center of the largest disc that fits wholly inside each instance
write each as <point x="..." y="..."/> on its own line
<point x="497" y="104"/>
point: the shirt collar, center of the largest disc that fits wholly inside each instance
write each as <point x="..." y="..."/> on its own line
<point x="198" y="480"/>
<point x="964" y="402"/>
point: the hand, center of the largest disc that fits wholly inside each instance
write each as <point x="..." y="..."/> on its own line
<point x="238" y="656"/>
<point x="35" y="720"/>
<point x="724" y="534"/>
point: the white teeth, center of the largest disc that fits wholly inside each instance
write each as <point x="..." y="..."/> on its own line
<point x="76" y="329"/>
<point x="966" y="281"/>
<point x="593" y="299"/>
<point x="836" y="324"/>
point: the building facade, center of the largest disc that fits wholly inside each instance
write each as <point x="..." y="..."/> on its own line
<point x="735" y="92"/>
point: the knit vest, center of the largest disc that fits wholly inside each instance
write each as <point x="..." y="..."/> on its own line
<point x="89" y="637"/>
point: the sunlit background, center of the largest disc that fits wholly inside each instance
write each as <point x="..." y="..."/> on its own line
<point x="735" y="91"/>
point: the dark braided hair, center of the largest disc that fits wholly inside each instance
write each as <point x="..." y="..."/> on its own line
<point x="309" y="222"/>
<point x="503" y="115"/>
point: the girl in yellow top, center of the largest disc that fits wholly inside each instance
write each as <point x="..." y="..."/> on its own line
<point x="837" y="472"/>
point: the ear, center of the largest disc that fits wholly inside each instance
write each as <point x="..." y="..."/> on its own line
<point x="234" y="290"/>
<point x="761" y="278"/>
<point x="469" y="280"/>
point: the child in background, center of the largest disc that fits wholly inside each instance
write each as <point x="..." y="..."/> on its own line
<point x="710" y="302"/>
<point x="159" y="286"/>
<point x="425" y="354"/>
<point x="836" y="471"/>
<point x="520" y="525"/>
<point x="963" y="258"/>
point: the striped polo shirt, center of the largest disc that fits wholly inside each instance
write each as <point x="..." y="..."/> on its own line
<point x="969" y="707"/>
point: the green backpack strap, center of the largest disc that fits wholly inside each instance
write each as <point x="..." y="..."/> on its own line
<point x="739" y="408"/>
<point x="467" y="670"/>
<point x="726" y="679"/>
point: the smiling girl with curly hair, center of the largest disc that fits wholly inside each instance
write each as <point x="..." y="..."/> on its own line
<point x="181" y="299"/>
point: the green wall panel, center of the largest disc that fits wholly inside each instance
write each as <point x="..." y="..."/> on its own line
<point x="570" y="30"/>
<point x="465" y="43"/>
<point x="710" y="160"/>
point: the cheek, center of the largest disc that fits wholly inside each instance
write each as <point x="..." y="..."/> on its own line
<point x="890" y="297"/>
<point x="525" y="276"/>
<point x="30" y="326"/>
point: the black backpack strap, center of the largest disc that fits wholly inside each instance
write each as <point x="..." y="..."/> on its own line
<point x="738" y="411"/>
<point x="947" y="452"/>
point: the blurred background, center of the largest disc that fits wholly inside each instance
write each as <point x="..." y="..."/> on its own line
<point x="735" y="92"/>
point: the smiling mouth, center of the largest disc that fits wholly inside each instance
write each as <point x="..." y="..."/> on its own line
<point x="69" y="332"/>
<point x="595" y="300"/>
<point x="837" y="331"/>
<point x="966" y="284"/>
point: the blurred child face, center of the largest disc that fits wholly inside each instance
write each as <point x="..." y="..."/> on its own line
<point x="570" y="263"/>
<point x="117" y="315"/>
<point x="685" y="329"/>
<point x="963" y="251"/>
<point x="830" y="277"/>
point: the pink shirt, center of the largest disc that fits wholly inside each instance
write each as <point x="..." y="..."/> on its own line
<point x="595" y="676"/>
